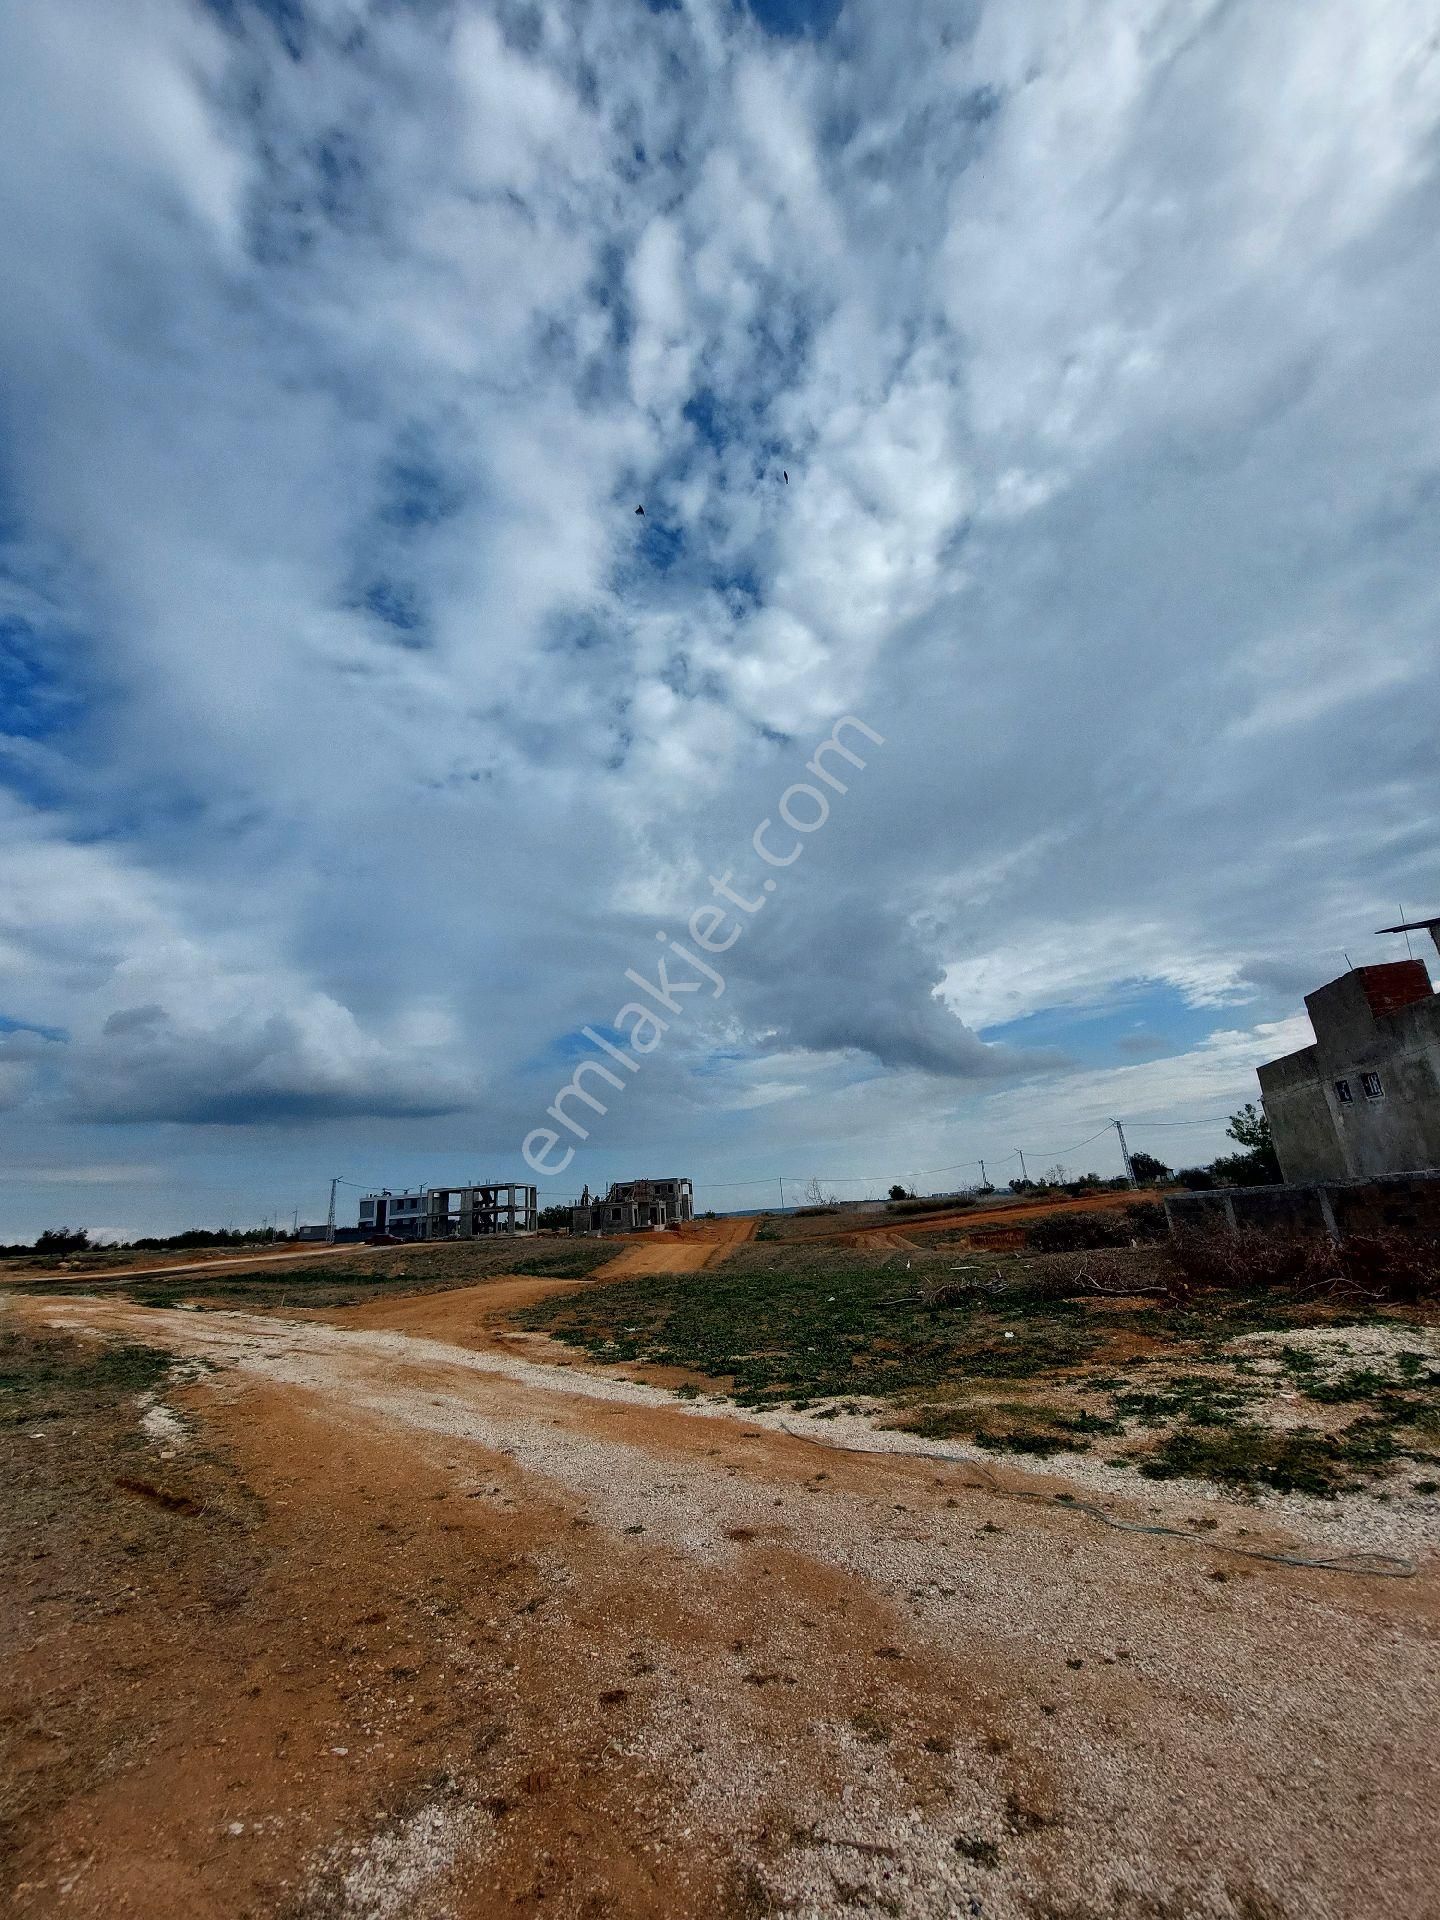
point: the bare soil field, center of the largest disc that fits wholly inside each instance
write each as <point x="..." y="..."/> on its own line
<point x="98" y="1265"/>
<point x="850" y="1226"/>
<point x="376" y="1608"/>
<point x="330" y="1277"/>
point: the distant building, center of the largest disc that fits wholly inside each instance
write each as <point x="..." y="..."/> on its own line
<point x="1365" y="1098"/>
<point x="634" y="1203"/>
<point x="450" y="1213"/>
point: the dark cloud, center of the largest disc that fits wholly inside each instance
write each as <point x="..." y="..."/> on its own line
<point x="134" y="1020"/>
<point x="243" y="1076"/>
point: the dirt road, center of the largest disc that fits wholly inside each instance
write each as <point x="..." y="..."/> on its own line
<point x="121" y="1276"/>
<point x="688" y="1252"/>
<point x="498" y="1635"/>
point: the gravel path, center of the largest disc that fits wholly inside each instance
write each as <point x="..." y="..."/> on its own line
<point x="873" y="1684"/>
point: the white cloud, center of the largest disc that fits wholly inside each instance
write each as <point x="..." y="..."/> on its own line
<point x="357" y="724"/>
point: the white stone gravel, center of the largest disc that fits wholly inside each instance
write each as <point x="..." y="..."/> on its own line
<point x="161" y="1423"/>
<point x="1019" y="1606"/>
<point x="1403" y="1524"/>
<point x="388" y="1876"/>
<point x="1342" y="1347"/>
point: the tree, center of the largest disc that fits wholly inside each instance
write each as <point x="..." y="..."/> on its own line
<point x="1246" y="1170"/>
<point x="1147" y="1169"/>
<point x="58" y="1240"/>
<point x="1258" y="1164"/>
<point x="553" y="1219"/>
<point x="1250" y="1128"/>
<point x="897" y="1192"/>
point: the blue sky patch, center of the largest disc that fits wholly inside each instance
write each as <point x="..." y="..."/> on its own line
<point x="398" y="603"/>
<point x="416" y="492"/>
<point x="793" y="18"/>
<point x="287" y="17"/>
<point x="34" y="703"/>
<point x="1142" y="1020"/>
<point x="7" y="1025"/>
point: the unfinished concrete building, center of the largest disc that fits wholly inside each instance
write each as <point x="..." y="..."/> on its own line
<point x="1364" y="1100"/>
<point x="451" y="1213"/>
<point x="635" y="1203"/>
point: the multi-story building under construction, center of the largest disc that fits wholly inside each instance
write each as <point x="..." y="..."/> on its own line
<point x="635" y="1203"/>
<point x="451" y="1213"/>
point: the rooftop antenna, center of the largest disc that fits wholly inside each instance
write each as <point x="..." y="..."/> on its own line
<point x="1430" y="924"/>
<point x="1409" y="950"/>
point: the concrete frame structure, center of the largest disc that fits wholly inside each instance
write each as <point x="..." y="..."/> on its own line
<point x="635" y="1203"/>
<point x="451" y="1213"/>
<point x="1364" y="1100"/>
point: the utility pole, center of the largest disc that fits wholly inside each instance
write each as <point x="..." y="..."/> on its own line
<point x="983" y="1181"/>
<point x="1125" y="1151"/>
<point x="1021" y="1152"/>
<point x="781" y="1178"/>
<point x="330" y="1217"/>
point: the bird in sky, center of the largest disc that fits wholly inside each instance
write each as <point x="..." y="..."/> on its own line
<point x="640" y="510"/>
<point x="785" y="476"/>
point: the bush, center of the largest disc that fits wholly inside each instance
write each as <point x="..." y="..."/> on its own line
<point x="194" y="1237"/>
<point x="1082" y="1232"/>
<point x="1146" y="1221"/>
<point x="1250" y="1262"/>
<point x="1386" y="1265"/>
<point x="1399" y="1266"/>
<point x="1196" y="1179"/>
<point x="1072" y="1232"/>
<point x="934" y="1203"/>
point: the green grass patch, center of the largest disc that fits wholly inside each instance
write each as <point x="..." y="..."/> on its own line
<point x="1200" y="1398"/>
<point x="993" y="1349"/>
<point x="1031" y="1427"/>
<point x="45" y="1377"/>
<point x="839" y="1326"/>
<point x="1289" y="1462"/>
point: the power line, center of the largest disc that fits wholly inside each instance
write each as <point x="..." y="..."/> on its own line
<point x="840" y="1179"/>
<point x="1041" y="1153"/>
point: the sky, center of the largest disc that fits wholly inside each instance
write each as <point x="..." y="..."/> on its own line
<point x="1049" y="387"/>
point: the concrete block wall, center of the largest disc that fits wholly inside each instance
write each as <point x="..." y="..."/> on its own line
<point x="1408" y="1201"/>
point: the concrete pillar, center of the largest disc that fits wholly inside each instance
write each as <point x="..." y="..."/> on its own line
<point x="1327" y="1213"/>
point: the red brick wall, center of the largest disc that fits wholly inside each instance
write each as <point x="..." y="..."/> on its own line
<point x="1396" y="984"/>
